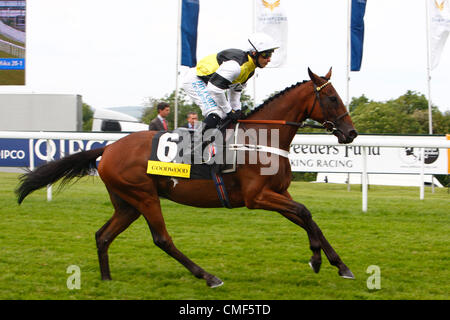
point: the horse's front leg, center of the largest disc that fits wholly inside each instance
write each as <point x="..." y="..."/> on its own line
<point x="314" y="242"/>
<point x="299" y="214"/>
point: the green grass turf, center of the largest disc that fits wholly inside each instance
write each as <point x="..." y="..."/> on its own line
<point x="258" y="254"/>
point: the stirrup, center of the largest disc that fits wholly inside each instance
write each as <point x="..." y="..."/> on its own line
<point x="202" y="147"/>
<point x="211" y="153"/>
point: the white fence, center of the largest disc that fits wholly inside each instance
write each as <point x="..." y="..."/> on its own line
<point x="364" y="142"/>
<point x="12" y="49"/>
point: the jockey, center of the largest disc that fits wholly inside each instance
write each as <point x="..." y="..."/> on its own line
<point x="230" y="69"/>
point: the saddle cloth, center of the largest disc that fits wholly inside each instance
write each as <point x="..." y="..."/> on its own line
<point x="180" y="153"/>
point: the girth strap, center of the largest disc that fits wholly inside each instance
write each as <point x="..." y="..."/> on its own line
<point x="220" y="188"/>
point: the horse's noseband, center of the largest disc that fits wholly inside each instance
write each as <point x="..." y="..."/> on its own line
<point x="328" y="125"/>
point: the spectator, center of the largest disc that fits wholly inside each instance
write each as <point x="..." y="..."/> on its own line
<point x="192" y="118"/>
<point x="160" y="122"/>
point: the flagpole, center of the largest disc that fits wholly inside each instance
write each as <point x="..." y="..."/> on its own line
<point x="175" y="118"/>
<point x="430" y="120"/>
<point x="348" y="51"/>
<point x="348" y="68"/>
<point x="255" y="75"/>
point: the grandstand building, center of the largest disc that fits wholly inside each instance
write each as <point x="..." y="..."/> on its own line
<point x="12" y="13"/>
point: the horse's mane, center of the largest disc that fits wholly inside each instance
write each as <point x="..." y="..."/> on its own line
<point x="270" y="99"/>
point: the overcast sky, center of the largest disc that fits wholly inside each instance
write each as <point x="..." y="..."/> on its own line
<point x="117" y="53"/>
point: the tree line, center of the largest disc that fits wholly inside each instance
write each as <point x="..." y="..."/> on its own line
<point x="407" y="114"/>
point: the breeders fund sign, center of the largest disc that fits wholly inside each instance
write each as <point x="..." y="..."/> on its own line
<point x="348" y="158"/>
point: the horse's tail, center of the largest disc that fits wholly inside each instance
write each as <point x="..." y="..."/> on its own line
<point x="73" y="166"/>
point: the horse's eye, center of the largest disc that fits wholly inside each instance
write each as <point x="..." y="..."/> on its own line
<point x="333" y="99"/>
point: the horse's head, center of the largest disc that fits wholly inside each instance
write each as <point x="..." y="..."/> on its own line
<point x="330" y="110"/>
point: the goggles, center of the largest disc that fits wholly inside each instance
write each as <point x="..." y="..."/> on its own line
<point x="266" y="54"/>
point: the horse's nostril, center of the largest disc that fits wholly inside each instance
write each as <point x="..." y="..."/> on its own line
<point x="353" y="134"/>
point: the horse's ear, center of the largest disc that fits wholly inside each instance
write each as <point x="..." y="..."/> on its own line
<point x="313" y="76"/>
<point x="328" y="75"/>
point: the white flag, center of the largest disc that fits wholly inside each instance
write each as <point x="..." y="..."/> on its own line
<point x="271" y="19"/>
<point x="439" y="15"/>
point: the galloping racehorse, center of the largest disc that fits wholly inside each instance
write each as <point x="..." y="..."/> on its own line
<point x="134" y="192"/>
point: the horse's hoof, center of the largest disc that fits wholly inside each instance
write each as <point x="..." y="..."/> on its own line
<point x="214" y="282"/>
<point x="315" y="265"/>
<point x="105" y="277"/>
<point x="346" y="274"/>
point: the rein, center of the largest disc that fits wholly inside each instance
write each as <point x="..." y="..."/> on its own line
<point x="328" y="125"/>
<point x="283" y="122"/>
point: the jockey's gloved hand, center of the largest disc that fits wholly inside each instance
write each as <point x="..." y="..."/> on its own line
<point x="234" y="116"/>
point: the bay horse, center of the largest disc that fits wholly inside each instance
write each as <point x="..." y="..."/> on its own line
<point x="133" y="192"/>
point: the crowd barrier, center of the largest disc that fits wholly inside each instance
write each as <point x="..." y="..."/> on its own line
<point x="30" y="149"/>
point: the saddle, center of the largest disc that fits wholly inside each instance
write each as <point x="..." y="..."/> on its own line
<point x="181" y="153"/>
<point x="186" y="153"/>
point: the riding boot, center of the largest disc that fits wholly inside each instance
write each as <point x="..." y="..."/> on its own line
<point x="210" y="122"/>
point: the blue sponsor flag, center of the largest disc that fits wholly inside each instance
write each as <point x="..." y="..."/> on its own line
<point x="189" y="23"/>
<point x="357" y="33"/>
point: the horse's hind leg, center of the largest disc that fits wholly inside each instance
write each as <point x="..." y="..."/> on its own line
<point x="152" y="213"/>
<point x="144" y="198"/>
<point x="123" y="216"/>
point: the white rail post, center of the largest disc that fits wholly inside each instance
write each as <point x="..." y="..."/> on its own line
<point x="49" y="158"/>
<point x="422" y="172"/>
<point x="364" y="179"/>
<point x="31" y="150"/>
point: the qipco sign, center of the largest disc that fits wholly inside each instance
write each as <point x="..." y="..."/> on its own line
<point x="58" y="149"/>
<point x="14" y="153"/>
<point x="19" y="152"/>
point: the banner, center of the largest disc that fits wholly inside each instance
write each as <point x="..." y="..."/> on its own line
<point x="12" y="64"/>
<point x="270" y="18"/>
<point x="189" y="24"/>
<point x="14" y="153"/>
<point x="357" y="33"/>
<point x="24" y="152"/>
<point x="348" y="158"/>
<point x="439" y="22"/>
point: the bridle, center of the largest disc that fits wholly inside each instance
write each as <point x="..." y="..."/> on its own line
<point x="328" y="125"/>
